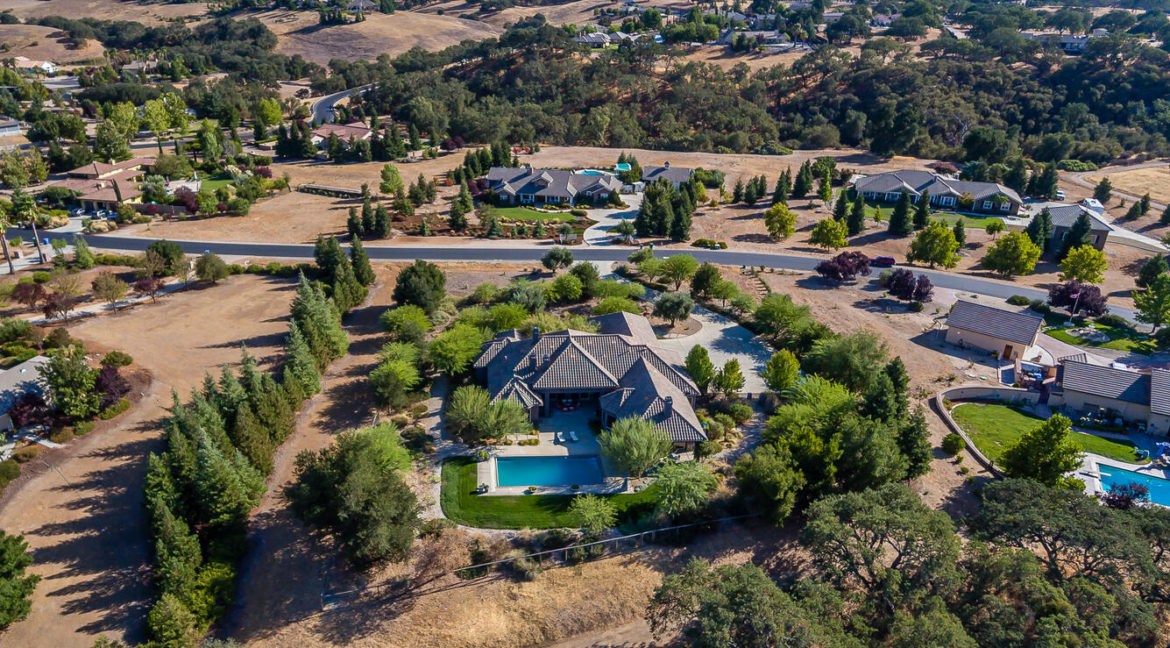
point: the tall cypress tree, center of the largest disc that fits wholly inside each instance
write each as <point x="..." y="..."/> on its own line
<point x="1040" y="229"/>
<point x="353" y="225"/>
<point x="381" y="222"/>
<point x="841" y="208"/>
<point x="300" y="360"/>
<point x="960" y="232"/>
<point x="803" y="182"/>
<point x="783" y="187"/>
<point x="367" y="217"/>
<point x="922" y="211"/>
<point x="856" y="220"/>
<point x="900" y="220"/>
<point x="361" y="263"/>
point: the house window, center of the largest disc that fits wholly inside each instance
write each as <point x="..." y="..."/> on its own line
<point x="1005" y="206"/>
<point x="946" y="200"/>
<point x="987" y="204"/>
<point x="1094" y="241"/>
<point x="891" y="197"/>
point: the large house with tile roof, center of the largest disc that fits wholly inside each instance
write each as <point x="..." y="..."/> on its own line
<point x="526" y="185"/>
<point x="1088" y="388"/>
<point x="1063" y="217"/>
<point x="620" y="371"/>
<point x="945" y="192"/>
<point x="102" y="185"/>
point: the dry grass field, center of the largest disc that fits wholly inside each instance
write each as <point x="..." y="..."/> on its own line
<point x="1155" y="180"/>
<point x="149" y="13"/>
<point x="300" y="33"/>
<point x="83" y="517"/>
<point x="577" y="12"/>
<point x="44" y="44"/>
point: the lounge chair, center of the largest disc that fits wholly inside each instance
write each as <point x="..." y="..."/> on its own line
<point x="573" y="436"/>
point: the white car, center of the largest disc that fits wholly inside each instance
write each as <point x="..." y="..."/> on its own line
<point x="1060" y="195"/>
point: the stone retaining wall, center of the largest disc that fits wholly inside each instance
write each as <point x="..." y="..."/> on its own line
<point x="976" y="393"/>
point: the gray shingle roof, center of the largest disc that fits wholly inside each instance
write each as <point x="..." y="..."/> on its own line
<point x="1066" y="215"/>
<point x="1160" y="391"/>
<point x="1019" y="326"/>
<point x="676" y="175"/>
<point x="526" y="369"/>
<point x="18" y="380"/>
<point x="1106" y="382"/>
<point x="916" y="182"/>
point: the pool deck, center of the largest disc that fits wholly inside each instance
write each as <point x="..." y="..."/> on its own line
<point x="1090" y="472"/>
<point x="554" y="442"/>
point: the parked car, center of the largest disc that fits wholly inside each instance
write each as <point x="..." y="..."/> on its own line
<point x="882" y="261"/>
<point x="1060" y="195"/>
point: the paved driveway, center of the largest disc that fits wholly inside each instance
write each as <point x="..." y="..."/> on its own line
<point x="607" y="219"/>
<point x="724" y="340"/>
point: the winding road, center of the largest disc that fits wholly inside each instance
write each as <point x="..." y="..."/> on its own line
<point x="322" y="109"/>
<point x="486" y="252"/>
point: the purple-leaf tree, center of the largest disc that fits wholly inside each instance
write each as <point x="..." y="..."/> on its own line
<point x="1078" y="298"/>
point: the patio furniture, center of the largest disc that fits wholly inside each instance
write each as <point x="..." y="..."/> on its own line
<point x="573" y="436"/>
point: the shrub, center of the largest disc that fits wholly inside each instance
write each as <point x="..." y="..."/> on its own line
<point x="61" y="435"/>
<point x="40" y="276"/>
<point x="578" y="213"/>
<point x="1018" y="300"/>
<point x="727" y="421"/>
<point x="58" y="338"/>
<point x="952" y="444"/>
<point x="741" y="412"/>
<point x="1163" y="338"/>
<point x="113" y="410"/>
<point x="715" y="430"/>
<point x="117" y="359"/>
<point x="9" y="470"/>
<point x="1110" y="319"/>
<point x="707" y="448"/>
<point x="916" y="307"/>
<point x="26" y="454"/>
<point x="83" y="428"/>
<point x="418" y="410"/>
<point x="525" y="568"/>
<point x="1040" y="307"/>
<point x="400" y="420"/>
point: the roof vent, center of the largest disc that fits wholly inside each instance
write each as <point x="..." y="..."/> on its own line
<point x="666" y="164"/>
<point x="668" y="404"/>
<point x="535" y="332"/>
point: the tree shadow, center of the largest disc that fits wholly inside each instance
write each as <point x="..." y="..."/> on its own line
<point x="752" y="238"/>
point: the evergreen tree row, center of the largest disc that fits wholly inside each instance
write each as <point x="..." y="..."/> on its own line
<point x="342" y="273"/>
<point x="374" y="222"/>
<point x="667" y="211"/>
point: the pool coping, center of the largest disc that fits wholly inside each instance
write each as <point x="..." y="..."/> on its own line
<point x="1090" y="473"/>
<point x="485" y="473"/>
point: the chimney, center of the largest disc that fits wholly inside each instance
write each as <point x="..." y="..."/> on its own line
<point x="666" y="164"/>
<point x="668" y="404"/>
<point x="535" y="333"/>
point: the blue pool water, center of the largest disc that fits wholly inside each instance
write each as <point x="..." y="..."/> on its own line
<point x="591" y="172"/>
<point x="548" y="471"/>
<point x="1159" y="488"/>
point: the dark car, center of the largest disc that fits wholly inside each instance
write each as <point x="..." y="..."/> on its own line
<point x="882" y="261"/>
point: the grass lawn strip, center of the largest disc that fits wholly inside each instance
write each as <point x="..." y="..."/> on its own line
<point x="462" y="505"/>
<point x="526" y="214"/>
<point x="1120" y="338"/>
<point x="974" y="222"/>
<point x="995" y="428"/>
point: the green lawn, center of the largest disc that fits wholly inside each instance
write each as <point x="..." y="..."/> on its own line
<point x="1120" y="338"/>
<point x="994" y="428"/>
<point x="211" y="184"/>
<point x="978" y="222"/>
<point x="526" y="214"/>
<point x="462" y="505"/>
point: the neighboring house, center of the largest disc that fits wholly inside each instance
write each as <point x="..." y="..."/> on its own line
<point x="1065" y="42"/>
<point x="101" y="185"/>
<point x="766" y="38"/>
<point x="355" y="130"/>
<point x="945" y="192"/>
<point x="32" y="66"/>
<point x="21" y="379"/>
<point x="1087" y="388"/>
<point x="1009" y="334"/>
<point x="883" y="20"/>
<point x="596" y="39"/>
<point x="527" y="186"/>
<point x="1064" y="216"/>
<point x="9" y="127"/>
<point x="676" y="175"/>
<point x="620" y="371"/>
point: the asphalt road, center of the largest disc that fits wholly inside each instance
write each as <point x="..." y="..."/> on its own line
<point x="322" y="109"/>
<point x="986" y="287"/>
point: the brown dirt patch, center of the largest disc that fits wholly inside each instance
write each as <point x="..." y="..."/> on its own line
<point x="83" y="519"/>
<point x="148" y="13"/>
<point x="300" y="33"/>
<point x="45" y="44"/>
<point x="579" y="12"/>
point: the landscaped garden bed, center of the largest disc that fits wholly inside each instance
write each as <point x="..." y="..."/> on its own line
<point x="994" y="428"/>
<point x="1121" y="338"/>
<point x="462" y="505"/>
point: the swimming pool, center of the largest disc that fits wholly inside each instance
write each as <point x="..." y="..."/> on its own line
<point x="1113" y="476"/>
<point x="548" y="471"/>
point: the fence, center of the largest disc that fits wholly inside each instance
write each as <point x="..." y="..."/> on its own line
<point x="332" y="192"/>
<point x="559" y="555"/>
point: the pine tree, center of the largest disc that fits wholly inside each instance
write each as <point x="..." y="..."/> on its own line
<point x="224" y="492"/>
<point x="783" y="186"/>
<point x="231" y="396"/>
<point x="825" y="190"/>
<point x="841" y="208"/>
<point x="737" y="194"/>
<point x="361" y="263"/>
<point x="82" y="255"/>
<point x="680" y="227"/>
<point x="300" y="360"/>
<point x="382" y="224"/>
<point x="367" y="217"/>
<point x="922" y="211"/>
<point x="1040" y="229"/>
<point x="803" y="182"/>
<point x="856" y="220"/>
<point x="457" y="219"/>
<point x="465" y="200"/>
<point x="176" y="550"/>
<point x="900" y="220"/>
<point x="353" y="225"/>
<point x="960" y="232"/>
